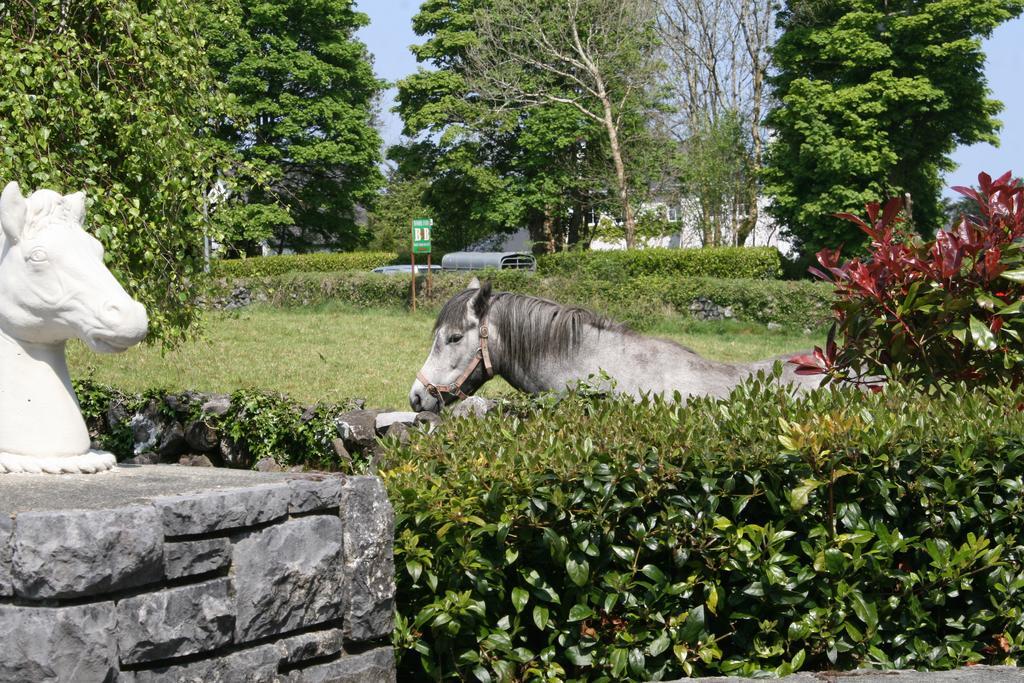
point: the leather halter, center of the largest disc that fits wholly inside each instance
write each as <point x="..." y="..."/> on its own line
<point x="455" y="388"/>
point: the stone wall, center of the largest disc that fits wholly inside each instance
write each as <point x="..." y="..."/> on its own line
<point x="167" y="573"/>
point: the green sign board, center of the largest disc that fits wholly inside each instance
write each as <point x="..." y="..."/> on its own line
<point x="421" y="228"/>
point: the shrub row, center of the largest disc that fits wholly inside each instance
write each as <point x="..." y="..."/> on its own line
<point x="757" y="263"/>
<point x="587" y="538"/>
<point x="597" y="540"/>
<point x="262" y="266"/>
<point x="638" y="301"/>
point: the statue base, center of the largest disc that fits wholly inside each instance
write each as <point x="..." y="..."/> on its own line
<point x="89" y="462"/>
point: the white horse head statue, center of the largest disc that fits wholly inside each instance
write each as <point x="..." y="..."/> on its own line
<point x="54" y="286"/>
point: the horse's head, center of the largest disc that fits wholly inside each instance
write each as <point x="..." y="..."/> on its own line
<point x="53" y="283"/>
<point x="458" y="363"/>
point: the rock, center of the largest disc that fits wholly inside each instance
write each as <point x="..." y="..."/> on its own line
<point x="288" y="576"/>
<point x="385" y="420"/>
<point x="296" y="468"/>
<point x="427" y="417"/>
<point x="399" y="432"/>
<point x="6" y="527"/>
<point x="217" y="510"/>
<point x="147" y="458"/>
<point x="772" y="326"/>
<point x="181" y="404"/>
<point x="63" y="554"/>
<point x="308" y="414"/>
<point x="145" y="432"/>
<point x="340" y="451"/>
<point x="175" y="622"/>
<point x="315" y="645"/>
<point x="58" y="644"/>
<point x="117" y="414"/>
<point x="357" y="428"/>
<point x="172" y="442"/>
<point x="474" y="406"/>
<point x="372" y="666"/>
<point x="217" y="404"/>
<point x="195" y="460"/>
<point x="254" y="665"/>
<point x="201" y="437"/>
<point x="315" y="493"/>
<point x="233" y="454"/>
<point x="189" y="558"/>
<point x="268" y="465"/>
<point x="369" y="526"/>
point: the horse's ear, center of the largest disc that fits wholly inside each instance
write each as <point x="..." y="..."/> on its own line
<point x="482" y="300"/>
<point x="474" y="283"/>
<point x="76" y="206"/>
<point x="13" y="210"/>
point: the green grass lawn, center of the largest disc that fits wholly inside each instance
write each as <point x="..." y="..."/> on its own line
<point x="330" y="353"/>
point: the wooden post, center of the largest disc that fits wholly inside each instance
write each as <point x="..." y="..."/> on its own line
<point x="430" y="278"/>
<point x="413" y="282"/>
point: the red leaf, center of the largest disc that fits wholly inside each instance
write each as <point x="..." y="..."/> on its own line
<point x="891" y="210"/>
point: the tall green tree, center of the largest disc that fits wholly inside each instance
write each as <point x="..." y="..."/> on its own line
<point x="492" y="168"/>
<point x="115" y="97"/>
<point x="390" y="222"/>
<point x="596" y="56"/>
<point x="305" y="89"/>
<point x="872" y="97"/>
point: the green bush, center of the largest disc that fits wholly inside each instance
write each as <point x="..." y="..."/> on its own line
<point x="263" y="266"/>
<point x="596" y="540"/>
<point x="638" y="301"/>
<point x="756" y="263"/>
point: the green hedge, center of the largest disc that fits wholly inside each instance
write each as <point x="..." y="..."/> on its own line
<point x="597" y="540"/>
<point x="757" y="263"/>
<point x="262" y="266"/>
<point x="638" y="301"/>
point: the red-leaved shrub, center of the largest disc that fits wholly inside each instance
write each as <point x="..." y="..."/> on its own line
<point x="939" y="311"/>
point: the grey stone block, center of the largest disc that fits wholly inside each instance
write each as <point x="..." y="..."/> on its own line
<point x="6" y="526"/>
<point x="201" y="436"/>
<point x="385" y="420"/>
<point x="288" y="576"/>
<point x="172" y="443"/>
<point x="66" y="644"/>
<point x="208" y="511"/>
<point x="189" y="558"/>
<point x="315" y="493"/>
<point x="255" y="665"/>
<point x="474" y="406"/>
<point x="369" y="523"/>
<point x="357" y="428"/>
<point x="85" y="552"/>
<point x="373" y="666"/>
<point x="307" y="646"/>
<point x="175" y="622"/>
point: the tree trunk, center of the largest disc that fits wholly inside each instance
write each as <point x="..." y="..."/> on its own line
<point x="620" y="171"/>
<point x="535" y="226"/>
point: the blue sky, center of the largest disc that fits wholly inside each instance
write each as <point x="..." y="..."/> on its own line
<point x="390" y="34"/>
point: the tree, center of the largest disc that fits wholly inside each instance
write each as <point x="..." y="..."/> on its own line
<point x="596" y="56"/>
<point x="305" y="89"/>
<point x="718" y="176"/>
<point x="718" y="56"/>
<point x="873" y="96"/>
<point x="451" y="143"/>
<point x="115" y="98"/>
<point x="390" y="222"/>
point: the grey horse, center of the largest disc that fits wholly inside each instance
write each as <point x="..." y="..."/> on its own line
<point x="538" y="345"/>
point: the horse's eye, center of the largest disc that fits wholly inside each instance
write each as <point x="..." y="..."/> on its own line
<point x="454" y="339"/>
<point x="37" y="256"/>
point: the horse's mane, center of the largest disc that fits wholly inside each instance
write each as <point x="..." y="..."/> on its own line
<point x="532" y="328"/>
